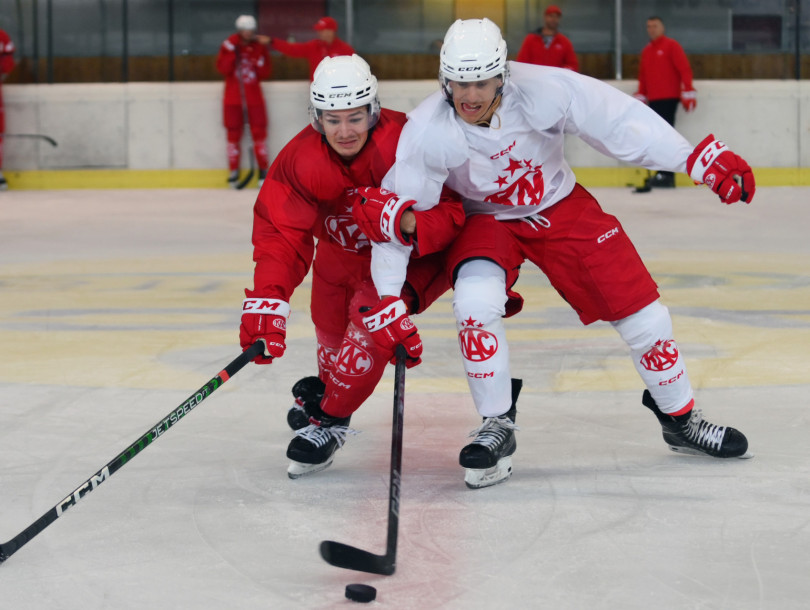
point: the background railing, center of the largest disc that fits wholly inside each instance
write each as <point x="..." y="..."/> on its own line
<point x="176" y="40"/>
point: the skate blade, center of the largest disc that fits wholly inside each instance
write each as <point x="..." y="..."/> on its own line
<point x="487" y="477"/>
<point x="689" y="451"/>
<point x="296" y="470"/>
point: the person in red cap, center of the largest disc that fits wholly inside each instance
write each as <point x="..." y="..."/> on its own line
<point x="327" y="44"/>
<point x="546" y="46"/>
<point x="664" y="79"/>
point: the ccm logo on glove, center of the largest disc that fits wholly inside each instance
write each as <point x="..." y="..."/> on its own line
<point x="727" y="174"/>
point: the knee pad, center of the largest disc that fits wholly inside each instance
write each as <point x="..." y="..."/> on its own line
<point x="644" y="328"/>
<point x="479" y="293"/>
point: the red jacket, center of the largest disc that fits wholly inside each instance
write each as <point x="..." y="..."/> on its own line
<point x="664" y="70"/>
<point x="314" y="50"/>
<point x="306" y="197"/>
<point x="249" y="60"/>
<point x="560" y="53"/>
<point x="6" y="57"/>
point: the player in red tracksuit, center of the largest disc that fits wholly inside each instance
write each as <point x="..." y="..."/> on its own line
<point x="308" y="197"/>
<point x="327" y="44"/>
<point x="547" y="47"/>
<point x="244" y="60"/>
<point x="664" y="79"/>
<point x="6" y="66"/>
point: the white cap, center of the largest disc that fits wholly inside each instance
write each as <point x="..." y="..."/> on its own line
<point x="340" y="83"/>
<point x="473" y="49"/>
<point x="246" y="22"/>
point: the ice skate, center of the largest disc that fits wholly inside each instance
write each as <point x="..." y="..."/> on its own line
<point x="262" y="176"/>
<point x="488" y="459"/>
<point x="691" y="434"/>
<point x="3" y="183"/>
<point x="307" y="392"/>
<point x="314" y="446"/>
<point x="233" y="178"/>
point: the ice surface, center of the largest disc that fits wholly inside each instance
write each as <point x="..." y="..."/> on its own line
<point x="116" y="305"/>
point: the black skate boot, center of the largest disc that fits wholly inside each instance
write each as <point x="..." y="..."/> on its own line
<point x="3" y="183"/>
<point x="313" y="448"/>
<point x="690" y="433"/>
<point x="262" y="176"/>
<point x="308" y="393"/>
<point x="233" y="178"/>
<point x="488" y="459"/>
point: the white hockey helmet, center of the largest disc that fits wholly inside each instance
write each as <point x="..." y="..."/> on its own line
<point x="341" y="83"/>
<point x="246" y="22"/>
<point x="473" y="49"/>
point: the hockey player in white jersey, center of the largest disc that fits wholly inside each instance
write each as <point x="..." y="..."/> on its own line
<point x="494" y="133"/>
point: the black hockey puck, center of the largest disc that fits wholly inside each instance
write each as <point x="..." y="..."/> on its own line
<point x="361" y="593"/>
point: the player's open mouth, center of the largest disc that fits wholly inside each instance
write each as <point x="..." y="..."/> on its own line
<point x="470" y="108"/>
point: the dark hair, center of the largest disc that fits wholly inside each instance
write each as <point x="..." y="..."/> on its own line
<point x="655" y="18"/>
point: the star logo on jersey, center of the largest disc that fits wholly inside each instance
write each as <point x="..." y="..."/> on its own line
<point x="344" y="230"/>
<point x="661" y="356"/>
<point x="519" y="183"/>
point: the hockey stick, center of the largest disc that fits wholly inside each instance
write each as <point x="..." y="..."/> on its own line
<point x="7" y="549"/>
<point x="246" y="120"/>
<point x="344" y="556"/>
<point x="37" y="136"/>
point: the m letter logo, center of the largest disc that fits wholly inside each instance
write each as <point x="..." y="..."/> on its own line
<point x="477" y="345"/>
<point x="662" y="356"/>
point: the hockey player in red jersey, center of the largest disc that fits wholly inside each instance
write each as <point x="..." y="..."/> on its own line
<point x="308" y="196"/>
<point x="327" y="44"/>
<point x="244" y="61"/>
<point x="499" y="145"/>
<point x="6" y="66"/>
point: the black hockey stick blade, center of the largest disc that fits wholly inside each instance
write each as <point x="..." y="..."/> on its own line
<point x="244" y="181"/>
<point x="7" y="549"/>
<point x="351" y="558"/>
<point x="36" y="136"/>
<point x="344" y="556"/>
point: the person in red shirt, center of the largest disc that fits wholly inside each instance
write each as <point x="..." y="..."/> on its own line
<point x="244" y="60"/>
<point x="664" y="79"/>
<point x="546" y="46"/>
<point x="306" y="200"/>
<point x="6" y="66"/>
<point x="327" y="44"/>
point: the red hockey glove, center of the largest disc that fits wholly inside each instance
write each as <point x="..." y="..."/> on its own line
<point x="378" y="213"/>
<point x="390" y="326"/>
<point x="721" y="170"/>
<point x="264" y="319"/>
<point x="689" y="100"/>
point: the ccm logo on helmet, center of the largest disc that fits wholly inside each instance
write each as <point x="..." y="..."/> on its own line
<point x="607" y="235"/>
<point x="470" y="69"/>
<point x="338" y="95"/>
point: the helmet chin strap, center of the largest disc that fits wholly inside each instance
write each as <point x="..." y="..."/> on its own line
<point x="493" y="107"/>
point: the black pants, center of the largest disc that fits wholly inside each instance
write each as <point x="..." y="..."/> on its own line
<point x="666" y="110"/>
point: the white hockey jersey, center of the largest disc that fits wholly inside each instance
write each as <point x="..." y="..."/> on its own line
<point x="516" y="167"/>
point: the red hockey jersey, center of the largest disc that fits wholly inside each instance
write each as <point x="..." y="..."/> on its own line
<point x="248" y="61"/>
<point x="308" y="196"/>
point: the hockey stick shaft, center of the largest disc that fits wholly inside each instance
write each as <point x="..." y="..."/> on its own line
<point x="7" y="549"/>
<point x="349" y="557"/>
<point x="37" y="136"/>
<point x="246" y="120"/>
